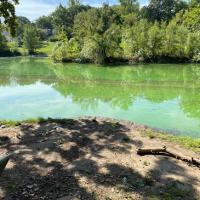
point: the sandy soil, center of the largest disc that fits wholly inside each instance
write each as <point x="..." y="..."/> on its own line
<point x="92" y="159"/>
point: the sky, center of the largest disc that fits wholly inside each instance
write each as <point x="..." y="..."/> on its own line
<point x="32" y="9"/>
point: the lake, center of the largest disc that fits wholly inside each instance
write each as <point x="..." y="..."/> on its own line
<point x="163" y="96"/>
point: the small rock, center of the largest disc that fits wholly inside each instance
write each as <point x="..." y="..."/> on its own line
<point x="30" y="186"/>
<point x="124" y="180"/>
<point x="58" y="129"/>
<point x="2" y="126"/>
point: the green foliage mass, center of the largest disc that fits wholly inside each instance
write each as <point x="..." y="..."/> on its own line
<point x="165" y="30"/>
<point x="159" y="10"/>
<point x="3" y="42"/>
<point x="125" y="32"/>
<point x="21" y="23"/>
<point x="63" y="18"/>
<point x="30" y="39"/>
<point x="7" y="11"/>
<point x="191" y="18"/>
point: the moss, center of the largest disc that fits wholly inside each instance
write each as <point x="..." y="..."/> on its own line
<point x="185" y="141"/>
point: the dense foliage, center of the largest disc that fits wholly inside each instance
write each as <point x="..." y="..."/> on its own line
<point x="7" y="11"/>
<point x="162" y="31"/>
<point x="165" y="30"/>
<point x="30" y="38"/>
<point x="3" y="43"/>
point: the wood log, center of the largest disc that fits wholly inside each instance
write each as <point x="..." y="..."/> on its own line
<point x="3" y="162"/>
<point x="164" y="152"/>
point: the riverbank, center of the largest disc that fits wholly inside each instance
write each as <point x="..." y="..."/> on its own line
<point x="45" y="49"/>
<point x="93" y="159"/>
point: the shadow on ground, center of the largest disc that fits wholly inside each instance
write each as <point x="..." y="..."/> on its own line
<point x="83" y="159"/>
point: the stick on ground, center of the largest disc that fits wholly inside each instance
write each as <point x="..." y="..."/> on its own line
<point x="164" y="152"/>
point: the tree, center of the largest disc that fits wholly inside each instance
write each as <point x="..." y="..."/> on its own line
<point x="3" y="42"/>
<point x="98" y="33"/>
<point x="191" y="18"/>
<point x="63" y="18"/>
<point x="159" y="10"/>
<point x="7" y="11"/>
<point x="156" y="35"/>
<point x="65" y="50"/>
<point x="194" y="3"/>
<point x="135" y="40"/>
<point x="93" y="50"/>
<point x="30" y="38"/>
<point x="175" y="40"/>
<point x="45" y="26"/>
<point x="44" y="22"/>
<point x="72" y="3"/>
<point x="129" y="6"/>
<point x="21" y="23"/>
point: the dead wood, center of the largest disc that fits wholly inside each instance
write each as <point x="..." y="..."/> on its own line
<point x="163" y="151"/>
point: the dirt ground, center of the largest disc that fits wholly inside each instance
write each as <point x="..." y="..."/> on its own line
<point x="92" y="159"/>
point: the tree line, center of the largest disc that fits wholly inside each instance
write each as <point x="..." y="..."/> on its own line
<point x="164" y="30"/>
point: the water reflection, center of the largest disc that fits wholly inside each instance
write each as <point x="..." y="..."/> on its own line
<point x="163" y="93"/>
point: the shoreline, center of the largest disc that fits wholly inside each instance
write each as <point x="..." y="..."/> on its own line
<point x="114" y="63"/>
<point x="187" y="142"/>
<point x="92" y="159"/>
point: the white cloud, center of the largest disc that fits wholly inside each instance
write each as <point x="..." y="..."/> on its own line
<point x="33" y="9"/>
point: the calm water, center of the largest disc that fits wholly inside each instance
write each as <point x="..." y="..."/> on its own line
<point x="161" y="96"/>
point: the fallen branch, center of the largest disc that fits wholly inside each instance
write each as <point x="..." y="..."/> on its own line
<point x="163" y="151"/>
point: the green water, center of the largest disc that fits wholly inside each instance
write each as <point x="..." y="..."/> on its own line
<point x="163" y="96"/>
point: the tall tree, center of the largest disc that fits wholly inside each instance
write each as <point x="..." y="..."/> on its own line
<point x="63" y="18"/>
<point x="3" y="42"/>
<point x="7" y="11"/>
<point x="159" y="10"/>
<point x="44" y="22"/>
<point x="99" y="33"/>
<point x="129" y="6"/>
<point x="21" y="23"/>
<point x="191" y="18"/>
<point x="30" y="39"/>
<point x="194" y="2"/>
<point x="72" y="3"/>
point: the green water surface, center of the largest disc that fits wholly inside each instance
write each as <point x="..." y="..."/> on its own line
<point x="163" y="96"/>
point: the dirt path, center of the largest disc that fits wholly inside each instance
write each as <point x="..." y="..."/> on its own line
<point x="92" y="159"/>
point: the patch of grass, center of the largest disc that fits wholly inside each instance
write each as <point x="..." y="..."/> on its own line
<point x="9" y="123"/>
<point x="185" y="141"/>
<point x="12" y="123"/>
<point x="45" y="48"/>
<point x="151" y="135"/>
<point x="153" y="198"/>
